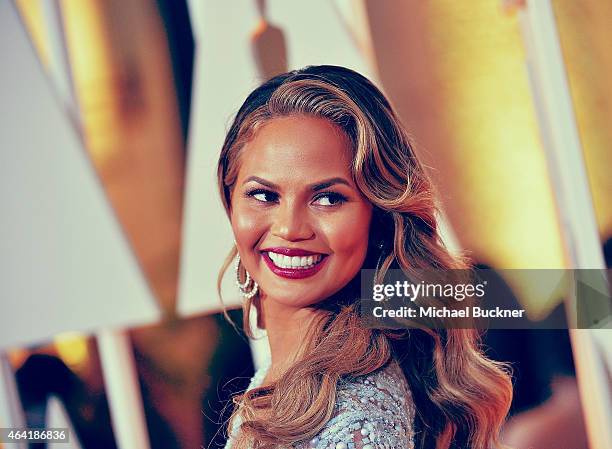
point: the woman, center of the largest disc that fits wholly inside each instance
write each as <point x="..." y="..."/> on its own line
<point x="319" y="181"/>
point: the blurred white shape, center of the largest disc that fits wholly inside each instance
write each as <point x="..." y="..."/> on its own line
<point x="59" y="63"/>
<point x="565" y="160"/>
<point x="225" y="73"/>
<point x="196" y="17"/>
<point x="65" y="264"/>
<point x="11" y="412"/>
<point x="58" y="418"/>
<point x="603" y="339"/>
<point x="448" y="236"/>
<point x="123" y="390"/>
<point x="355" y="18"/>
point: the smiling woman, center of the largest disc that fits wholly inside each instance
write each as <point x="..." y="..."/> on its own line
<point x="319" y="181"/>
<point x="293" y="203"/>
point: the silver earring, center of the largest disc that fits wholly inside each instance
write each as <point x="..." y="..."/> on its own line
<point x="249" y="287"/>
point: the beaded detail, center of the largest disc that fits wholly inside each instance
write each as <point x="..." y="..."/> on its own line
<point x="372" y="412"/>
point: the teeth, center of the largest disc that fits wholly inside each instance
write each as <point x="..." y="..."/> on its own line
<point x="283" y="261"/>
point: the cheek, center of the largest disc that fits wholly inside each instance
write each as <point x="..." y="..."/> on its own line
<point x="247" y="226"/>
<point x="349" y="237"/>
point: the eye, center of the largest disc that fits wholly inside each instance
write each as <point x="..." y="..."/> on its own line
<point x="329" y="199"/>
<point x="263" y="196"/>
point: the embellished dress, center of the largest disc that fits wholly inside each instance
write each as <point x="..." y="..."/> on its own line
<point x="372" y="412"/>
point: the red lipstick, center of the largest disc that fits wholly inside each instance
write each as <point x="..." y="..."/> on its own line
<point x="293" y="273"/>
<point x="291" y="251"/>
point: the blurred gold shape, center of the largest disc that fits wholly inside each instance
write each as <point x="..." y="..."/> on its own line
<point x="72" y="348"/>
<point x="456" y="74"/>
<point x="32" y="15"/>
<point x="584" y="34"/>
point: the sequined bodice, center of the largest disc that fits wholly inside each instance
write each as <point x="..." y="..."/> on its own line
<point x="372" y="412"/>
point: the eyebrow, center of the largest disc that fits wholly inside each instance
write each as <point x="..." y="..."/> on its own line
<point x="328" y="183"/>
<point x="320" y="185"/>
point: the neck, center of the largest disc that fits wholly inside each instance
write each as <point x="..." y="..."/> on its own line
<point x="287" y="329"/>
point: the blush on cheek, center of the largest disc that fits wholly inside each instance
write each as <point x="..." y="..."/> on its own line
<point x="243" y="223"/>
<point x="249" y="229"/>
<point x="351" y="237"/>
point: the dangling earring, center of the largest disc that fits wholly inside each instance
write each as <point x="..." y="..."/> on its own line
<point x="381" y="252"/>
<point x="249" y="287"/>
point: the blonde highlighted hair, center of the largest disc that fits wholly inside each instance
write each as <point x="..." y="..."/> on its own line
<point x="461" y="397"/>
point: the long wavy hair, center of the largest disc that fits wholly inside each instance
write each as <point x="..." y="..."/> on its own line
<point x="461" y="397"/>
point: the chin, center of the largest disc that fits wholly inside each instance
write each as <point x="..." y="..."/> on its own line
<point x="295" y="298"/>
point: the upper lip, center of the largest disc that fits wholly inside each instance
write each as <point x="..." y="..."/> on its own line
<point x="291" y="251"/>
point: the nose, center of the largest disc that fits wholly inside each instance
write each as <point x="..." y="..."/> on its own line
<point x="291" y="223"/>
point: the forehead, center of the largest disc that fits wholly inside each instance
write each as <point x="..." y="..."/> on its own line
<point x="297" y="147"/>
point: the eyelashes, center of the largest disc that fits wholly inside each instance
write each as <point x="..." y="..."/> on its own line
<point x="325" y="199"/>
<point x="331" y="198"/>
<point x="263" y="195"/>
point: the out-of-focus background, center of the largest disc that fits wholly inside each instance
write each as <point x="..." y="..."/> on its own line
<point x="112" y="233"/>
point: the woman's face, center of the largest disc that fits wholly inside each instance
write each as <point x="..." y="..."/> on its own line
<point x="300" y="223"/>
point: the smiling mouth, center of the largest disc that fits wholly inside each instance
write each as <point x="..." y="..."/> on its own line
<point x="293" y="264"/>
